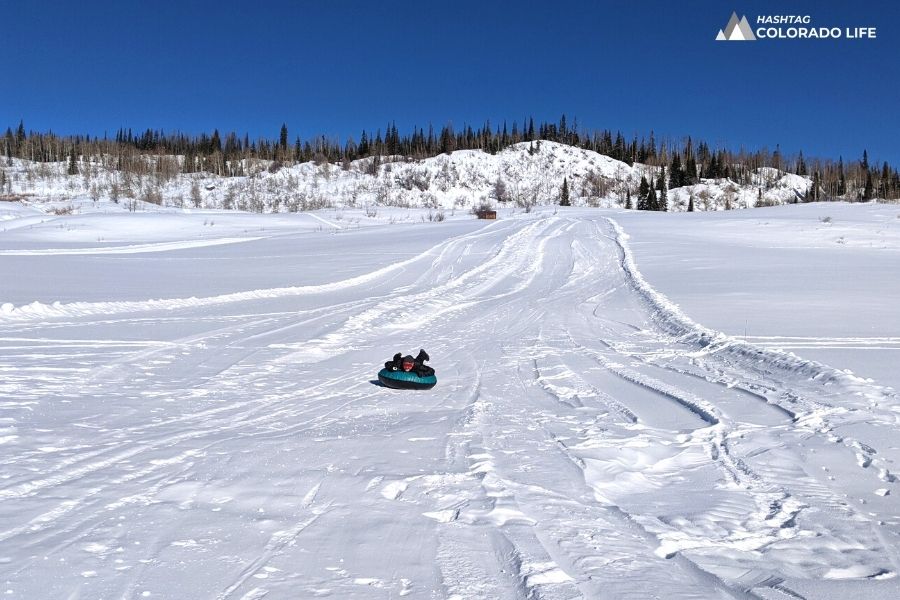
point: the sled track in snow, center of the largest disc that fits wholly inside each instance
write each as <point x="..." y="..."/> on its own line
<point x="37" y="311"/>
<point x="771" y="369"/>
<point x="680" y="325"/>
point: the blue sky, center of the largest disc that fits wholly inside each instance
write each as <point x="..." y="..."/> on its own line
<point x="336" y="68"/>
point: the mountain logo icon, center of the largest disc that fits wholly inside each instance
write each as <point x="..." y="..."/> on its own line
<point x="736" y="31"/>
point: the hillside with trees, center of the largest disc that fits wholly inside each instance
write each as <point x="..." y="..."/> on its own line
<point x="442" y="168"/>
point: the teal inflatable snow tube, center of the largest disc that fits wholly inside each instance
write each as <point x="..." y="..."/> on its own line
<point x="403" y="380"/>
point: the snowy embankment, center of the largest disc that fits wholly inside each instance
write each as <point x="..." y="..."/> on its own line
<point x="587" y="437"/>
<point x="816" y="279"/>
<point x="522" y="175"/>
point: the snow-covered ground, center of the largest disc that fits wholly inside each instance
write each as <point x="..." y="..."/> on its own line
<point x="818" y="279"/>
<point x="189" y="406"/>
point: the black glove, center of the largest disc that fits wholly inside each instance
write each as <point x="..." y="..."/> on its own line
<point x="394" y="363"/>
<point x="424" y="370"/>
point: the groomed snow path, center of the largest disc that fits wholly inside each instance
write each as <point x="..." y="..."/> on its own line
<point x="585" y="440"/>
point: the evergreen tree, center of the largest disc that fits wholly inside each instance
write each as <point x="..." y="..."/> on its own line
<point x="801" y="166"/>
<point x="564" y="193"/>
<point x="652" y="200"/>
<point x="676" y="174"/>
<point x="363" y="149"/>
<point x="20" y="135"/>
<point x="643" y="155"/>
<point x="215" y="142"/>
<point x="282" y="140"/>
<point x="842" y="182"/>
<point x="643" y="195"/>
<point x="628" y="204"/>
<point x="448" y="140"/>
<point x="73" y="166"/>
<point x="690" y="207"/>
<point x="869" y="190"/>
<point x="690" y="171"/>
<point x="606" y="144"/>
<point x="724" y="165"/>
<point x="619" y="151"/>
<point x="712" y="169"/>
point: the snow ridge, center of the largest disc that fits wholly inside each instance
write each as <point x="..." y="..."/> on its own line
<point x="39" y="310"/>
<point x="673" y="320"/>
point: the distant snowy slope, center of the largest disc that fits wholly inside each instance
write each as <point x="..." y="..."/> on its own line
<point x="524" y="175"/>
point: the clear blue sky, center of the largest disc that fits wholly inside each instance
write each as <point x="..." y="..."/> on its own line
<point x="335" y="68"/>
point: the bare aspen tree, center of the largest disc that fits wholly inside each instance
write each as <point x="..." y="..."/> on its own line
<point x="196" y="197"/>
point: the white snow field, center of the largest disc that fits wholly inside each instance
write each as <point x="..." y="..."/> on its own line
<point x="189" y="406"/>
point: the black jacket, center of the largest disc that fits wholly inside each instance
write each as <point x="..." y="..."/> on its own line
<point x="419" y="366"/>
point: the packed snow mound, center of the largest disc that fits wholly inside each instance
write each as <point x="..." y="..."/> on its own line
<point x="524" y="175"/>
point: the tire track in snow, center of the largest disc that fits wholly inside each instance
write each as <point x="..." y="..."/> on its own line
<point x="734" y="355"/>
<point x="121" y="366"/>
<point x="518" y="257"/>
<point x="750" y="357"/>
<point x="56" y="310"/>
<point x="502" y="499"/>
<point x="126" y="451"/>
<point x="755" y="368"/>
<point x="775" y="506"/>
<point x="195" y="426"/>
<point x="559" y="550"/>
<point x="772" y="515"/>
<point x="714" y="433"/>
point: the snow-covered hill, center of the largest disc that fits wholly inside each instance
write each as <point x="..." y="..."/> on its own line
<point x="522" y="175"/>
<point x="190" y="409"/>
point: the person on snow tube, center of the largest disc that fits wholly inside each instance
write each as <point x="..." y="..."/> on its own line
<point x="408" y="373"/>
<point x="409" y="364"/>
